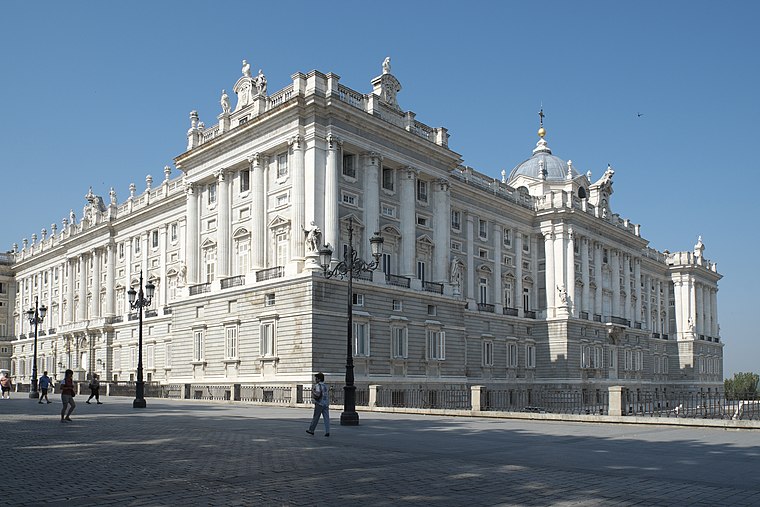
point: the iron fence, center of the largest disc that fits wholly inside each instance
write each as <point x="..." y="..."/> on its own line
<point x="693" y="405"/>
<point x="405" y="397"/>
<point x="581" y="402"/>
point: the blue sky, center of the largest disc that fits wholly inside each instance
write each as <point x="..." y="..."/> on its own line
<point x="98" y="93"/>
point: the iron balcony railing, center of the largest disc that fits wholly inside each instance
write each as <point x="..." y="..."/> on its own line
<point x="510" y="311"/>
<point x="485" y="307"/>
<point x="529" y="314"/>
<point x="397" y="280"/>
<point x="270" y="273"/>
<point x="233" y="281"/>
<point x="200" y="288"/>
<point x="432" y="287"/>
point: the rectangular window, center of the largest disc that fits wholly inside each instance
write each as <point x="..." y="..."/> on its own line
<point x="349" y="166"/>
<point x="482" y="253"/>
<point x="456" y="220"/>
<point x="211" y="193"/>
<point x="282" y="200"/>
<point x="399" y="345"/>
<point x="361" y="339"/>
<point x="268" y="337"/>
<point x="210" y="264"/>
<point x="526" y="243"/>
<point x="358" y="299"/>
<point x="585" y="356"/>
<point x="508" y="295"/>
<point x="348" y="198"/>
<point x="135" y="242"/>
<point x="282" y="165"/>
<point x="168" y="355"/>
<point x="432" y="310"/>
<point x="282" y="248"/>
<point x="388" y="210"/>
<point x="245" y="180"/>
<point x="150" y="356"/>
<point x="121" y="250"/>
<point x="423" y="221"/>
<point x="488" y="353"/>
<point x="456" y="246"/>
<point x="397" y="305"/>
<point x="530" y="356"/>
<point x="421" y="270"/>
<point x="154" y="239"/>
<point x="388" y="178"/>
<point x="231" y="345"/>
<point x="422" y="191"/>
<point x="512" y="355"/>
<point x="173" y="232"/>
<point x="198" y="344"/>
<point x="597" y="359"/>
<point x="436" y="345"/>
<point x="483" y="229"/>
<point x="386" y="263"/>
<point x="269" y="299"/>
<point x="508" y="237"/>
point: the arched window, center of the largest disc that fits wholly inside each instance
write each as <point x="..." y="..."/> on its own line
<point x="582" y="193"/>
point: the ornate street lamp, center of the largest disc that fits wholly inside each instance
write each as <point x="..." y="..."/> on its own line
<point x="349" y="267"/>
<point x="138" y="301"/>
<point x="35" y="316"/>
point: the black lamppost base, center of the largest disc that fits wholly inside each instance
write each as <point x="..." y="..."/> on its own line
<point x="139" y="403"/>
<point x="349" y="419"/>
<point x="34" y="394"/>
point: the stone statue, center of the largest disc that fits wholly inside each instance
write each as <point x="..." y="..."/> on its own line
<point x="387" y="65"/>
<point x="261" y="83"/>
<point x="246" y="69"/>
<point x="562" y="294"/>
<point x="313" y="238"/>
<point x="225" y="101"/>
<point x="72" y="217"/>
<point x="182" y="274"/>
<point x="456" y="272"/>
<point x="112" y="195"/>
<point x="690" y="325"/>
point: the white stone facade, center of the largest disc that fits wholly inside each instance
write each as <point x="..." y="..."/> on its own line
<point x="531" y="280"/>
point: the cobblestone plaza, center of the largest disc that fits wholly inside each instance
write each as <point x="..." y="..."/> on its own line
<point x="198" y="453"/>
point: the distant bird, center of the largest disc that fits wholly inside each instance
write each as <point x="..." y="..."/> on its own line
<point x="639" y="115"/>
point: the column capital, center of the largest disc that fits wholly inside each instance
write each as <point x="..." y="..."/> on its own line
<point x="254" y="159"/>
<point x="221" y="174"/>
<point x="372" y="157"/>
<point x="442" y="185"/>
<point x="333" y="142"/>
<point x="409" y="172"/>
<point x="296" y="142"/>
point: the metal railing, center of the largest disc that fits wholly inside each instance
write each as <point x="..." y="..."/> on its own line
<point x="200" y="288"/>
<point x="693" y="405"/>
<point x="280" y="395"/>
<point x="486" y="307"/>
<point x="397" y="280"/>
<point x="511" y="311"/>
<point x="233" y="281"/>
<point x="432" y="287"/>
<point x="270" y="273"/>
<point x="582" y="402"/>
<point x="530" y="314"/>
<point x="453" y="398"/>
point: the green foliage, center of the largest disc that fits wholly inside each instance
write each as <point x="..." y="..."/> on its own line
<point x="742" y="386"/>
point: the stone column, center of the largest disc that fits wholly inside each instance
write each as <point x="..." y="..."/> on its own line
<point x="615" y="267"/>
<point x="162" y="296"/>
<point x="96" y="283"/>
<point x="598" y="250"/>
<point x="559" y="264"/>
<point x="258" y="233"/>
<point x="193" y="233"/>
<point x="662" y="327"/>
<point x="585" y="278"/>
<point x="470" y="235"/>
<point x="714" y="310"/>
<point x="706" y="302"/>
<point x="298" y="199"/>
<point x="71" y="314"/>
<point x="110" y="282"/>
<point x="519" y="273"/>
<point x="332" y="195"/>
<point x="223" y="224"/>
<point x="637" y="283"/>
<point x="442" y="230"/>
<point x="627" y="283"/>
<point x="62" y="273"/>
<point x="408" y="203"/>
<point x="570" y="271"/>
<point x="666" y="303"/>
<point x="371" y="163"/>
<point x="700" y="323"/>
<point x="82" y="311"/>
<point x="551" y="286"/>
<point x="497" y="298"/>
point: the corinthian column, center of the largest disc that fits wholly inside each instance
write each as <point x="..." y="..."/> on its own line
<point x="257" y="211"/>
<point x="408" y="202"/>
<point x="193" y="234"/>
<point x="298" y="199"/>
<point x="332" y="216"/>
<point x="442" y="230"/>
<point x="110" y="273"/>
<point x="223" y="224"/>
<point x="371" y="199"/>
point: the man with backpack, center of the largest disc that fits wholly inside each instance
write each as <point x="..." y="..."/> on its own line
<point x="320" y="394"/>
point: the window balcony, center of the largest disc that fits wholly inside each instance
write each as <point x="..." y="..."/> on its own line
<point x="530" y="314"/>
<point x="397" y="280"/>
<point x="270" y="273"/>
<point x="510" y="311"/>
<point x="233" y="281"/>
<point x="432" y="287"/>
<point x="485" y="307"/>
<point x="200" y="288"/>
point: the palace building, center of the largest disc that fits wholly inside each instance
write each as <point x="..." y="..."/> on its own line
<point x="529" y="280"/>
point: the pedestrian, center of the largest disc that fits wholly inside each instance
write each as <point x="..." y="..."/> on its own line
<point x="94" y="389"/>
<point x="67" y="395"/>
<point x="44" y="386"/>
<point x="320" y="394"/>
<point x="5" y="385"/>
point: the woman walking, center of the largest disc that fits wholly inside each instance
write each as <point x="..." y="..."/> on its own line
<point x="67" y="396"/>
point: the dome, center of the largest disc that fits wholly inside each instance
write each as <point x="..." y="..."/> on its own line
<point x="544" y="162"/>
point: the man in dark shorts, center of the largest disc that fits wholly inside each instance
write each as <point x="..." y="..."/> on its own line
<point x="44" y="386"/>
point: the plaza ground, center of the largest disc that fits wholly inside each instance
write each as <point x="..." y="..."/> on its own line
<point x="180" y="452"/>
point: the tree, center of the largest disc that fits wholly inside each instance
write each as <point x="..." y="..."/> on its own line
<point x="742" y="387"/>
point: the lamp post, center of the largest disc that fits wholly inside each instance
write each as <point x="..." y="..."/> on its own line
<point x="35" y="316"/>
<point x="138" y="301"/>
<point x="349" y="267"/>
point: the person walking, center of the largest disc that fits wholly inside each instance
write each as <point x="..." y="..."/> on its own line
<point x="5" y="386"/>
<point x="44" y="386"/>
<point x="67" y="396"/>
<point x="320" y="394"/>
<point x="94" y="389"/>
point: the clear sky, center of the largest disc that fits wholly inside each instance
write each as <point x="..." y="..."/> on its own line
<point x="98" y="94"/>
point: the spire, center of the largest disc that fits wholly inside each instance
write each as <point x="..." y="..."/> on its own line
<point x="541" y="146"/>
